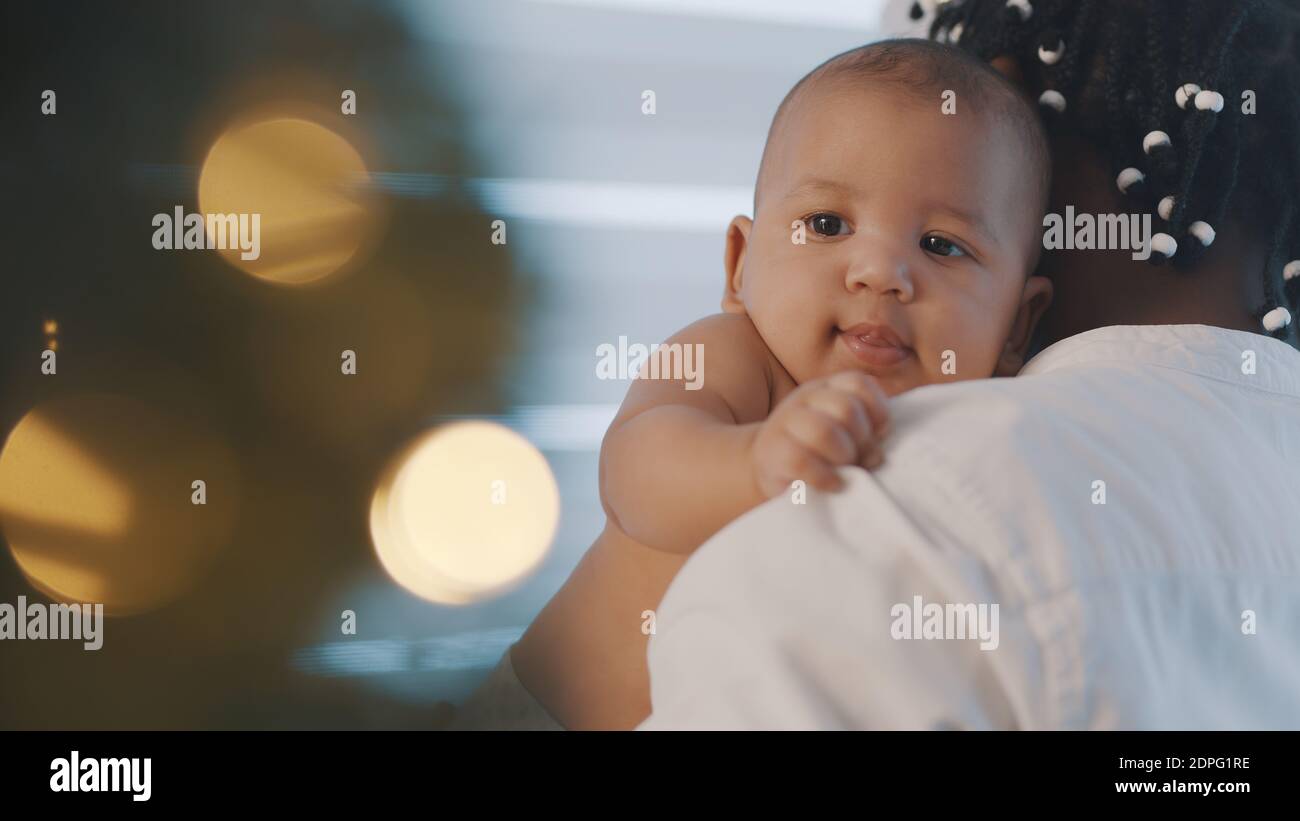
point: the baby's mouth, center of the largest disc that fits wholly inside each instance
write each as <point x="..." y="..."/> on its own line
<point x="875" y="345"/>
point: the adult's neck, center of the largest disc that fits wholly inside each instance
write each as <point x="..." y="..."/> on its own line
<point x="1094" y="289"/>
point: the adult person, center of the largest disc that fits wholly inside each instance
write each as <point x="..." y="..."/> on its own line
<point x="1123" y="514"/>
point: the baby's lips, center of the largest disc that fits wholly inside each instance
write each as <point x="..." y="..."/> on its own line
<point x="877" y="347"/>
<point x="877" y="333"/>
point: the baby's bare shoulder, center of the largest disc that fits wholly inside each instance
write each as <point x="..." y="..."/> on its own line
<point x="735" y="329"/>
<point x="736" y="362"/>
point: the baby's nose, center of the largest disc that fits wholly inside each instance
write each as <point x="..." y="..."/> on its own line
<point x="880" y="267"/>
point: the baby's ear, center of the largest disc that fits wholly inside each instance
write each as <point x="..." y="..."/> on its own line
<point x="734" y="263"/>
<point x="1034" y="300"/>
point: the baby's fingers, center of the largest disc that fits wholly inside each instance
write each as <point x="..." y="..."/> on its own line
<point x="874" y="399"/>
<point x="849" y="411"/>
<point x="784" y="460"/>
<point x="806" y="465"/>
<point x="821" y="434"/>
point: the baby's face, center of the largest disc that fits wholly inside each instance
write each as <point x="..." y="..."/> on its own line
<point x="920" y="230"/>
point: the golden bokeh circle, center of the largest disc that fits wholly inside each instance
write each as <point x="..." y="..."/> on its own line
<point x="465" y="512"/>
<point x="307" y="184"/>
<point x="96" y="501"/>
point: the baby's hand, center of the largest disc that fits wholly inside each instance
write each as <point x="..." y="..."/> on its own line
<point x="822" y="424"/>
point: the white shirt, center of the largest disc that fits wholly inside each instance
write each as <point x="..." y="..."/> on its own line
<point x="1173" y="604"/>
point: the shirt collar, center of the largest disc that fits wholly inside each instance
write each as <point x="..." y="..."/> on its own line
<point x="1205" y="350"/>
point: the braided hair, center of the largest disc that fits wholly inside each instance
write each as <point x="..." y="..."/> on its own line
<point x="1166" y="89"/>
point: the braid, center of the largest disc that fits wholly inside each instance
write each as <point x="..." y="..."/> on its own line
<point x="1197" y="130"/>
<point x="1284" y="228"/>
<point x="1070" y="76"/>
<point x="1189" y="48"/>
<point x="1287" y="243"/>
<point x="1199" y="157"/>
<point x="1159" y="67"/>
<point x="1215" y="205"/>
<point x="1123" y="149"/>
<point x="1163" y="162"/>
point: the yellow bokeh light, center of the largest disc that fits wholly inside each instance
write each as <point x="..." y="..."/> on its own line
<point x="96" y="505"/>
<point x="465" y="512"/>
<point x="41" y="469"/>
<point x="308" y="186"/>
<point x="51" y="327"/>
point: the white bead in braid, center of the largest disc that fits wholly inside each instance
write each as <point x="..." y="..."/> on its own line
<point x="1052" y="56"/>
<point x="1277" y="319"/>
<point x="1209" y="101"/>
<point x="1053" y="99"/>
<point x="1128" y="178"/>
<point x="1291" y="271"/>
<point x="1154" y="140"/>
<point x="1203" y="231"/>
<point x="1185" y="92"/>
<point x="1164" y="245"/>
<point x="1022" y="6"/>
<point x="1166" y="208"/>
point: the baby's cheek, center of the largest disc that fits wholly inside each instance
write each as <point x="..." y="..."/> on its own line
<point x="961" y="353"/>
<point x="977" y="334"/>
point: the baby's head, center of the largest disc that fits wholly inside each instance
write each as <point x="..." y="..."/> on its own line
<point x="917" y="179"/>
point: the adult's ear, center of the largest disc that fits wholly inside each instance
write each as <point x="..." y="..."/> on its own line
<point x="734" y="263"/>
<point x="1034" y="301"/>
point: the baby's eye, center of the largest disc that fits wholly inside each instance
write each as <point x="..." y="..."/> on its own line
<point x="827" y="225"/>
<point x="941" y="246"/>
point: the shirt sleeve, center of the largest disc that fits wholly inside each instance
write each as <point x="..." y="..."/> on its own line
<point x="803" y="616"/>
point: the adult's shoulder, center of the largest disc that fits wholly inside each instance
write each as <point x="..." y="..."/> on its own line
<point x="978" y="416"/>
<point x="998" y="452"/>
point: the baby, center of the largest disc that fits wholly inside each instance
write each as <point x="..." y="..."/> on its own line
<point x="897" y="221"/>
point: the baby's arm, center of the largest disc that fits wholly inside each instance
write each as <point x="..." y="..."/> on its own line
<point x="677" y="464"/>
<point x="674" y="464"/>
